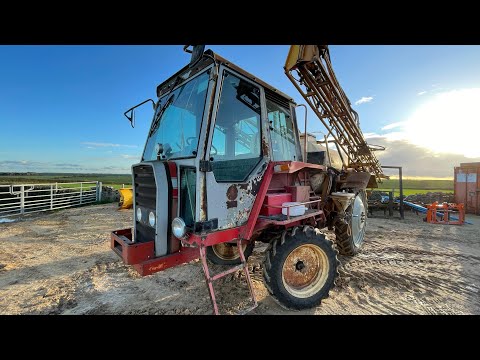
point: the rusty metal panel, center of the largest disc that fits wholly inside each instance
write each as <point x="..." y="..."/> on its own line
<point x="299" y="193"/>
<point x="131" y="253"/>
<point x="164" y="262"/>
<point x="358" y="179"/>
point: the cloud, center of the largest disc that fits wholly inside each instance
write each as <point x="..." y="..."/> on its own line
<point x="20" y="163"/>
<point x="115" y="169"/>
<point x="391" y="136"/>
<point x="393" y="125"/>
<point x="97" y="145"/>
<point x="422" y="93"/>
<point x="369" y="135"/>
<point x="36" y="166"/>
<point x="363" y="100"/>
<point x="67" y="165"/>
<point x="135" y="157"/>
<point x="416" y="160"/>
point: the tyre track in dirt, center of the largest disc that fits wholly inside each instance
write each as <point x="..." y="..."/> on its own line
<point x="61" y="263"/>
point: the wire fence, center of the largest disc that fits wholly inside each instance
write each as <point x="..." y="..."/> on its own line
<point x="30" y="198"/>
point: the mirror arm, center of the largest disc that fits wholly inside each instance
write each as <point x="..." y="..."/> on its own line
<point x="131" y="119"/>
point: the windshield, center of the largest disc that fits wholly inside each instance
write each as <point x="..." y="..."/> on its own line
<point x="176" y="124"/>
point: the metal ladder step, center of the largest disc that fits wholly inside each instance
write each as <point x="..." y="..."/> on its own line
<point x="210" y="279"/>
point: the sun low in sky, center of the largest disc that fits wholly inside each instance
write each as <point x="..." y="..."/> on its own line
<point x="441" y="132"/>
<point x="62" y="106"/>
<point x="448" y="122"/>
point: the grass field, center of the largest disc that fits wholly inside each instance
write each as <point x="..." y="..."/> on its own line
<point x="411" y="186"/>
<point x="418" y="184"/>
<point x="407" y="192"/>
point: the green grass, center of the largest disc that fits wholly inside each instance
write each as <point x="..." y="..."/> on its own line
<point x="411" y="186"/>
<point x="418" y="184"/>
<point x="407" y="192"/>
<point x="119" y="186"/>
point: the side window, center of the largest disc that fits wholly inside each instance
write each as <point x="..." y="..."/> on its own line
<point x="236" y="139"/>
<point x="282" y="134"/>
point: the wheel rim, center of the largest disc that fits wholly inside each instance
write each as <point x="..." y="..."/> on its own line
<point x="305" y="271"/>
<point x="359" y="219"/>
<point x="226" y="251"/>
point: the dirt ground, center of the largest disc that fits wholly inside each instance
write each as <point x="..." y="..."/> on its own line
<point x="61" y="263"/>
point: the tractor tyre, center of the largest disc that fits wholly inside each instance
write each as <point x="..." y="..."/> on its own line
<point x="349" y="235"/>
<point x="300" y="267"/>
<point x="227" y="253"/>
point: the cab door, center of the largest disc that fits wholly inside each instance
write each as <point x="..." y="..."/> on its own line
<point x="237" y="159"/>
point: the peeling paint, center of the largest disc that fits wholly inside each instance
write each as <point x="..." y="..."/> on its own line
<point x="246" y="194"/>
<point x="265" y="147"/>
<point x="232" y="192"/>
<point x="231" y="204"/>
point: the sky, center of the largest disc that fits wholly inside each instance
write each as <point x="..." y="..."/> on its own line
<point x="61" y="107"/>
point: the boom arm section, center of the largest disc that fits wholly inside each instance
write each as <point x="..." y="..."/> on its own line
<point x="318" y="85"/>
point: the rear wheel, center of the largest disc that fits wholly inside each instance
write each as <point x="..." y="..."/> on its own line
<point x="227" y="253"/>
<point x="300" y="267"/>
<point x="350" y="235"/>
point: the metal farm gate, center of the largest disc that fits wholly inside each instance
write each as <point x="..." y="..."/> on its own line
<point x="30" y="198"/>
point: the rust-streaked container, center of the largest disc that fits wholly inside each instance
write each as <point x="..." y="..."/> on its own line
<point x="467" y="186"/>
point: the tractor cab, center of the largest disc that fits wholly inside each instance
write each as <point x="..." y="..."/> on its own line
<point x="215" y="128"/>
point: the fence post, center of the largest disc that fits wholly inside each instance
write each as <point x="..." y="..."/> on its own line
<point x="22" y="199"/>
<point x="81" y="192"/>
<point x="99" y="191"/>
<point x="390" y="203"/>
<point x="51" y="196"/>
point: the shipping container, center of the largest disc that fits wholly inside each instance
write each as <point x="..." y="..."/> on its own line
<point x="467" y="186"/>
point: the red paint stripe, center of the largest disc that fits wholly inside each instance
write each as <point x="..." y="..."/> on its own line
<point x="247" y="230"/>
<point x="175" y="193"/>
<point x="173" y="169"/>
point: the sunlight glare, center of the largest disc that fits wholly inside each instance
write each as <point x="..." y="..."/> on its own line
<point x="449" y="123"/>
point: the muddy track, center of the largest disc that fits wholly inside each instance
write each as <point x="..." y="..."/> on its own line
<point x="61" y="263"/>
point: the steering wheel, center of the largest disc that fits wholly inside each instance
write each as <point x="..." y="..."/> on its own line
<point x="189" y="143"/>
<point x="190" y="139"/>
<point x="213" y="148"/>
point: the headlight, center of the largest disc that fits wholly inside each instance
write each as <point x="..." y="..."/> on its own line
<point x="139" y="214"/>
<point x="178" y="227"/>
<point x="151" y="219"/>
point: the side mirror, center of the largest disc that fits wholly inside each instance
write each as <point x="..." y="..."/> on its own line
<point x="130" y="115"/>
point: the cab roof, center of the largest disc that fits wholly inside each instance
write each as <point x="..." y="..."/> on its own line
<point x="206" y="60"/>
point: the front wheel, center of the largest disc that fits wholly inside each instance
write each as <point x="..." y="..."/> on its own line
<point x="300" y="268"/>
<point x="227" y="253"/>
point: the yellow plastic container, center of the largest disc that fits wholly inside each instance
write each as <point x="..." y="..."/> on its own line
<point x="126" y="198"/>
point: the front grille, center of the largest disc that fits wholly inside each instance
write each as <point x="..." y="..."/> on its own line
<point x="145" y="197"/>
